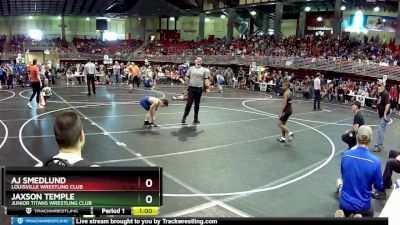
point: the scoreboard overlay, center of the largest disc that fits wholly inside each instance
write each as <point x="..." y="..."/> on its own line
<point x="82" y="191"/>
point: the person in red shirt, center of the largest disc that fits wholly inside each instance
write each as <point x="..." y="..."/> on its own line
<point x="47" y="73"/>
<point x="35" y="83"/>
<point x="393" y="98"/>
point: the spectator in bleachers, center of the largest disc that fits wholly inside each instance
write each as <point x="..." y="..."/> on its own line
<point x="112" y="48"/>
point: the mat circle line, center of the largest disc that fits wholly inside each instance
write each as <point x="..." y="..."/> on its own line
<point x="40" y="163"/>
<point x="20" y="136"/>
<point x="5" y="135"/>
<point x="3" y="99"/>
<point x="99" y="103"/>
<point x="304" y="120"/>
<point x="258" y="190"/>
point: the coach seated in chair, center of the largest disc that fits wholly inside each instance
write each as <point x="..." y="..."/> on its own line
<point x="70" y="137"/>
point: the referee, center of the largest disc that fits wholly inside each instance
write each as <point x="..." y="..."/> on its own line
<point x="197" y="76"/>
<point x="90" y="70"/>
<point x="317" y="92"/>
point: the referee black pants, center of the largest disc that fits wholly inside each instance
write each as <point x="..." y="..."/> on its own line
<point x="90" y="79"/>
<point x="194" y="94"/>
<point x="317" y="99"/>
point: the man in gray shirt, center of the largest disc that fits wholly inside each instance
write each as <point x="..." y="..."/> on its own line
<point x="196" y="76"/>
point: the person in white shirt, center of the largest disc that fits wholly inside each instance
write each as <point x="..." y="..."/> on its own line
<point x="90" y="70"/>
<point x="317" y="92"/>
<point x="46" y="92"/>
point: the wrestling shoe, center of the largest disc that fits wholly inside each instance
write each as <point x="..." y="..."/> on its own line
<point x="281" y="140"/>
<point x="339" y="213"/>
<point x="291" y="135"/>
<point x="153" y="125"/>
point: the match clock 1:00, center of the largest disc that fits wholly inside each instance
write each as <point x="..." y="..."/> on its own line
<point x="145" y="211"/>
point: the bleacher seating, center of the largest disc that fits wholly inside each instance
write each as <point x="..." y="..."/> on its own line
<point x="92" y="46"/>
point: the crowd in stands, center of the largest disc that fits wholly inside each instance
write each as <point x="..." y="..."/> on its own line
<point x="16" y="46"/>
<point x="61" y="46"/>
<point x="97" y="47"/>
<point x="167" y="47"/>
<point x="374" y="49"/>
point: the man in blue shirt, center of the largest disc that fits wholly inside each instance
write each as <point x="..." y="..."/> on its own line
<point x="360" y="171"/>
<point x="22" y="75"/>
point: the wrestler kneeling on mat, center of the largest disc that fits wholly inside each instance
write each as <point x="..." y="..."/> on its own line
<point x="148" y="83"/>
<point x="151" y="105"/>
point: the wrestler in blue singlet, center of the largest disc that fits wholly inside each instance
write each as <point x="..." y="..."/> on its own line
<point x="148" y="82"/>
<point x="145" y="103"/>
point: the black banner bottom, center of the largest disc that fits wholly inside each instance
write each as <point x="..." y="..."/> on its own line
<point x="222" y="221"/>
<point x="199" y="221"/>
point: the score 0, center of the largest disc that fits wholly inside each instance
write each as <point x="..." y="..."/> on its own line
<point x="149" y="184"/>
